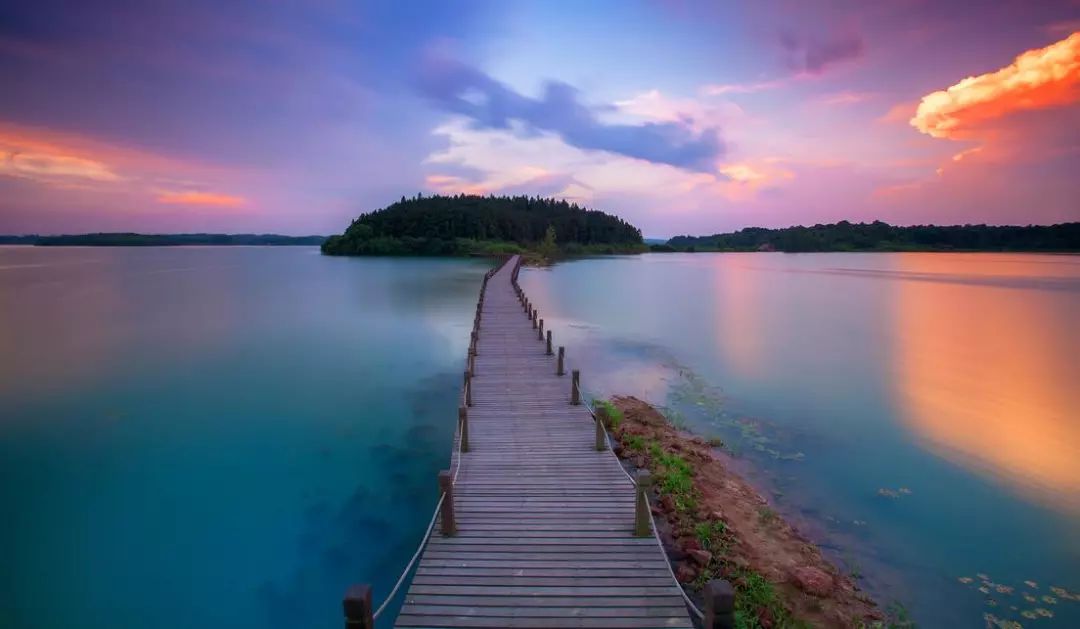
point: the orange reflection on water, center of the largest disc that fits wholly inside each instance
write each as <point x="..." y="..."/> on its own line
<point x="738" y="296"/>
<point x="988" y="375"/>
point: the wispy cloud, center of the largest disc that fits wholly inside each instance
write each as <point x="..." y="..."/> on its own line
<point x="810" y="55"/>
<point x="721" y="89"/>
<point x="845" y="98"/>
<point x="490" y="104"/>
<point x="1038" y="79"/>
<point x="197" y="198"/>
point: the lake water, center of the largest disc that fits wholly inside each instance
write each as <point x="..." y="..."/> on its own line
<point x="227" y="437"/>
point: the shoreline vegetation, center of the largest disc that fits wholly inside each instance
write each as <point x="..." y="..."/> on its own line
<point x="714" y="524"/>
<point x="469" y="225"/>
<point x="879" y="236"/>
<point x="128" y="239"/>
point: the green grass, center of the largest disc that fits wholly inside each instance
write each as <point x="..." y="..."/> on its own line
<point x="635" y="442"/>
<point x="755" y="593"/>
<point x="712" y="535"/>
<point x="610" y="412"/>
<point x="674" y="477"/>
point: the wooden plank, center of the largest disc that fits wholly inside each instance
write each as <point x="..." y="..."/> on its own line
<point x="544" y="521"/>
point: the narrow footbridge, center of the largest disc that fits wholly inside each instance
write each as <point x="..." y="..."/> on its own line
<point x="537" y="525"/>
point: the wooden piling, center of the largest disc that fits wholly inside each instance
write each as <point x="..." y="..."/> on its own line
<point x="559" y="371"/>
<point x="575" y="387"/>
<point x="358" y="610"/>
<point x="643" y="480"/>
<point x="540" y="334"/>
<point x="719" y="605"/>
<point x="468" y="388"/>
<point x="463" y="423"/>
<point x="446" y="486"/>
<point x="598" y="418"/>
<point x="549" y="352"/>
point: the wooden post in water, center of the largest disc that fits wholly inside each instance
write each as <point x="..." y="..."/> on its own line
<point x="535" y="314"/>
<point x="575" y="387"/>
<point x="463" y="422"/>
<point x="598" y="418"/>
<point x="357" y="604"/>
<point x="719" y="605"/>
<point x="446" y="486"/>
<point x="468" y="388"/>
<point x="549" y="352"/>
<point x="643" y="479"/>
<point x="540" y="334"/>
<point x="559" y="371"/>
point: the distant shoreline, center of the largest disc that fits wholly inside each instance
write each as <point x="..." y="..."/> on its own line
<point x="161" y="240"/>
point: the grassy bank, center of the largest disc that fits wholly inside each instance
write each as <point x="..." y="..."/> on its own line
<point x="716" y="525"/>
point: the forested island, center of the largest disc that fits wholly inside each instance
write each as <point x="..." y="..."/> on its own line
<point x="485" y="225"/>
<point x="879" y="236"/>
<point x="160" y="240"/>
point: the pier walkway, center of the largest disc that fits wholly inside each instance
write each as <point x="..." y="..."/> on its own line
<point x="538" y="524"/>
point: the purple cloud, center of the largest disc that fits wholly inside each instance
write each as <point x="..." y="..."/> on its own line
<point x="807" y="55"/>
<point x="461" y="89"/>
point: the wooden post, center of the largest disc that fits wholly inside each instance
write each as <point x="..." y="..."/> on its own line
<point x="472" y="362"/>
<point x="575" y="387"/>
<point x="549" y="352"/>
<point x="641" y="504"/>
<point x="599" y="414"/>
<point x="559" y="371"/>
<point x="540" y="334"/>
<point x="468" y="388"/>
<point x="446" y="486"/>
<point x="463" y="422"/>
<point x="535" y="313"/>
<point x="357" y="604"/>
<point x="719" y="605"/>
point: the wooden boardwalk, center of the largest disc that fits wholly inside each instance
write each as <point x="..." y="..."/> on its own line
<point x="544" y="522"/>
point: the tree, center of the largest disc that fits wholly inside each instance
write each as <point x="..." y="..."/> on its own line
<point x="548" y="248"/>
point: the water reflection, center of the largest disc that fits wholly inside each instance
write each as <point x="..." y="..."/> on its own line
<point x="986" y="375"/>
<point x="738" y="296"/>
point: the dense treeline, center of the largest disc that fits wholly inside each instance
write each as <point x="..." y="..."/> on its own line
<point x="879" y="236"/>
<point x="167" y="240"/>
<point x="464" y="224"/>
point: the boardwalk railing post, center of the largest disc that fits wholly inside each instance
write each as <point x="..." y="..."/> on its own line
<point x="549" y="352"/>
<point x="463" y="422"/>
<point x="468" y="388"/>
<point x="446" y="486"/>
<point x="540" y="334"/>
<point x="559" y="371"/>
<point x="535" y="314"/>
<point x="575" y="387"/>
<point x="357" y="604"/>
<point x="719" y="605"/>
<point x="599" y="416"/>
<point x="472" y="361"/>
<point x="643" y="479"/>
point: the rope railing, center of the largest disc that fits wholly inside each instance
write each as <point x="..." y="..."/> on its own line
<point x="719" y="597"/>
<point x="357" y="601"/>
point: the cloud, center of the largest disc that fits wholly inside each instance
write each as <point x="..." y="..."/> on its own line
<point x="207" y="199"/>
<point x="490" y="104"/>
<point x="807" y="55"/>
<point x="54" y="167"/>
<point x="846" y="98"/>
<point x="722" y="89"/>
<point x="1038" y="79"/>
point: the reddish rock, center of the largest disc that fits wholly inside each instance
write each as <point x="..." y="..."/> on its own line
<point x="813" y="580"/>
<point x="701" y="557"/>
<point x="685" y="573"/>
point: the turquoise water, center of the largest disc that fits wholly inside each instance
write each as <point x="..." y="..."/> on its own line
<point x="227" y="437"/>
<point x="916" y="414"/>
<point x="218" y="437"/>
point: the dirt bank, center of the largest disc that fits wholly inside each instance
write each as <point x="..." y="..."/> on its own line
<point x="717" y="525"/>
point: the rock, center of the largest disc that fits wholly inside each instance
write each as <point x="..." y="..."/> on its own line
<point x="718" y="515"/>
<point x="813" y="580"/>
<point x="685" y="573"/>
<point x="701" y="557"/>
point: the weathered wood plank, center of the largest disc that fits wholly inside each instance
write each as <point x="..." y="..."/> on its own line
<point x="544" y="521"/>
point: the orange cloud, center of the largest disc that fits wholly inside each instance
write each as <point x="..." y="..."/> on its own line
<point x="1037" y="79"/>
<point x="209" y="199"/>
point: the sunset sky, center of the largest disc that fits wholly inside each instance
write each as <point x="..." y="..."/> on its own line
<point x="683" y="117"/>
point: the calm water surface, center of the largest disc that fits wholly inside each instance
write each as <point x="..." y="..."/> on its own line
<point x="917" y="414"/>
<point x="218" y="437"/>
<point x="227" y="437"/>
